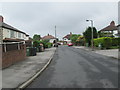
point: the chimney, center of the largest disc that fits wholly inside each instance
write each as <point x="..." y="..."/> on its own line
<point x="48" y="34"/>
<point x="112" y="23"/>
<point x="1" y="18"/>
<point x="70" y="33"/>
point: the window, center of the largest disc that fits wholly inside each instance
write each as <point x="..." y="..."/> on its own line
<point x="12" y="34"/>
<point x="19" y="35"/>
<point x="23" y="36"/>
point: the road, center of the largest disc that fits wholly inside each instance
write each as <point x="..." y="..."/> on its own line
<point x="78" y="68"/>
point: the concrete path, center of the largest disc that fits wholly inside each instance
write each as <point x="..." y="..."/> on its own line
<point x="18" y="73"/>
<point x="110" y="52"/>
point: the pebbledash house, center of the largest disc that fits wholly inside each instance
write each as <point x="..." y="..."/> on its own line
<point x="12" y="44"/>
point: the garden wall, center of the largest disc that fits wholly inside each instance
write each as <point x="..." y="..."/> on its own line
<point x="12" y="56"/>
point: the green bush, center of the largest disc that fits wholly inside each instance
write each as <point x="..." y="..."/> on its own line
<point x="44" y="42"/>
<point x="36" y="43"/>
<point x="48" y="45"/>
<point x="115" y="41"/>
<point x="106" y="42"/>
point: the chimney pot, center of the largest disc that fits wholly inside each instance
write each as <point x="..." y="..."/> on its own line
<point x="112" y="23"/>
<point x="70" y="33"/>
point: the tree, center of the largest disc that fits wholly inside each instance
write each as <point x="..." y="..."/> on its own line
<point x="36" y="37"/>
<point x="74" y="38"/>
<point x="45" y="43"/>
<point x="81" y="40"/>
<point x="36" y="44"/>
<point x="88" y="34"/>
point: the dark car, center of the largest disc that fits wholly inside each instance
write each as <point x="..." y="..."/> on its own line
<point x="55" y="45"/>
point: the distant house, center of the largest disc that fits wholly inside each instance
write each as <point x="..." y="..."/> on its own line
<point x="110" y="31"/>
<point x="66" y="39"/>
<point x="51" y="38"/>
<point x="12" y="44"/>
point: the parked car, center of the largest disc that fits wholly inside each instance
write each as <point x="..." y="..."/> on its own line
<point x="70" y="44"/>
<point x="59" y="43"/>
<point x="55" y="45"/>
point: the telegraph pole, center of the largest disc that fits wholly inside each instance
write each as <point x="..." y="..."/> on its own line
<point x="55" y="31"/>
<point x="55" y="38"/>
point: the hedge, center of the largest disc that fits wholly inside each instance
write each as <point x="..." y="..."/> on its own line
<point x="106" y="42"/>
<point x="46" y="44"/>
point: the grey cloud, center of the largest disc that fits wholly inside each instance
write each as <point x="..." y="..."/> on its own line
<point x="69" y="17"/>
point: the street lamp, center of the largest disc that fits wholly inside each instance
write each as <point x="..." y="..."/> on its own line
<point x="119" y="43"/>
<point x="92" y="33"/>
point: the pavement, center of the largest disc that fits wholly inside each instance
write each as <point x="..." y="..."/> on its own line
<point x="110" y="52"/>
<point x="20" y="72"/>
<point x="78" y="68"/>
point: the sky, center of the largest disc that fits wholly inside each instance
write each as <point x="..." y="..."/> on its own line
<point x="41" y="17"/>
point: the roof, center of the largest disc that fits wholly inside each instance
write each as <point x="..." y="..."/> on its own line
<point x="111" y="27"/>
<point x="48" y="37"/>
<point x="4" y="25"/>
<point x="67" y="36"/>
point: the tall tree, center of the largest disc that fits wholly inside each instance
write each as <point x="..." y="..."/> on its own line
<point x="88" y="34"/>
<point x="36" y="37"/>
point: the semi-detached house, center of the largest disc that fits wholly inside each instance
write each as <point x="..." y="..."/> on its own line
<point x="11" y="34"/>
<point x="12" y="44"/>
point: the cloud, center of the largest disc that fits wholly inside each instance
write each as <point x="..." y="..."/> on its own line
<point x="41" y="17"/>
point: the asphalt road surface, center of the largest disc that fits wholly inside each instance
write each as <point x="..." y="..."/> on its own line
<point x="78" y="68"/>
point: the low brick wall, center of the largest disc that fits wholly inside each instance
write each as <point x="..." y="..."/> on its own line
<point x="11" y="57"/>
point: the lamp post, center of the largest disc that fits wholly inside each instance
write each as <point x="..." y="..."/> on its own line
<point x="91" y="33"/>
<point x="119" y="43"/>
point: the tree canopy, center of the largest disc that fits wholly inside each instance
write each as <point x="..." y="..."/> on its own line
<point x="36" y="37"/>
<point x="74" y="38"/>
<point x="88" y="34"/>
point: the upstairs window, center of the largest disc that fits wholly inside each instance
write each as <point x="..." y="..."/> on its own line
<point x="23" y="36"/>
<point x="19" y="35"/>
<point x="12" y="34"/>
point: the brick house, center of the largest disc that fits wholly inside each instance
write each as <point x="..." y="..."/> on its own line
<point x="12" y="44"/>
